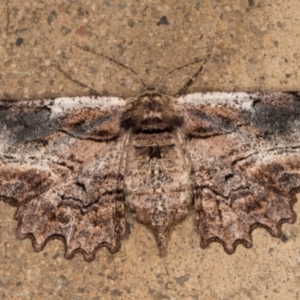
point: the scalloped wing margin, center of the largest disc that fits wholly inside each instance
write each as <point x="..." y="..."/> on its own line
<point x="245" y="165"/>
<point x="85" y="208"/>
<point x="64" y="178"/>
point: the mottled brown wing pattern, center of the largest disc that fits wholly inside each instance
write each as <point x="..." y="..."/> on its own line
<point x="72" y="165"/>
<point x="245" y="156"/>
<point x="61" y="172"/>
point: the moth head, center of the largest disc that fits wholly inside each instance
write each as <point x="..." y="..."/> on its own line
<point x="150" y="113"/>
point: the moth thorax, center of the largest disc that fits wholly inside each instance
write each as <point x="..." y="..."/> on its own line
<point x="151" y="113"/>
<point x="154" y="114"/>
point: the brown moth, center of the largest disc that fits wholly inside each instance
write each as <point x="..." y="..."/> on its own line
<point x="72" y="166"/>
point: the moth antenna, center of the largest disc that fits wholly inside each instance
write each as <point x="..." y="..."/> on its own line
<point x="183" y="90"/>
<point x="177" y="69"/>
<point x="68" y="76"/>
<point x="87" y="49"/>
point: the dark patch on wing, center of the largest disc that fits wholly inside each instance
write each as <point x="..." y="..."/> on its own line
<point x="19" y="186"/>
<point x="91" y="123"/>
<point x="28" y="124"/>
<point x="24" y="125"/>
<point x="214" y="120"/>
<point x="210" y="120"/>
<point x="84" y="126"/>
<point x="277" y="117"/>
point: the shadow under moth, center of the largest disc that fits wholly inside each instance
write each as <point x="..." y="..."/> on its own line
<point x="72" y="166"/>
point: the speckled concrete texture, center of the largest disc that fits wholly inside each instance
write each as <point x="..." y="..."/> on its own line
<point x="255" y="47"/>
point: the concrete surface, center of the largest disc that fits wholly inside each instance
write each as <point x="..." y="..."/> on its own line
<point x="255" y="47"/>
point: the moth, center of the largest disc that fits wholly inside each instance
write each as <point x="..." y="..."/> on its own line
<point x="72" y="166"/>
